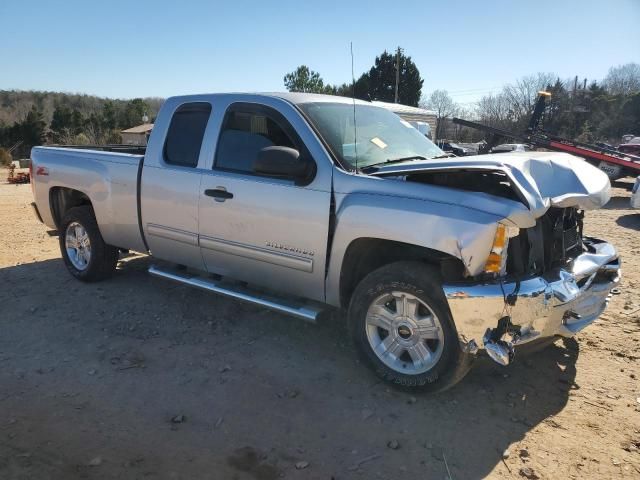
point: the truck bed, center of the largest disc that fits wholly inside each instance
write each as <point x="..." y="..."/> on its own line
<point x="109" y="176"/>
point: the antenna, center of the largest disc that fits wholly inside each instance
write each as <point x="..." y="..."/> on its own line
<point x="353" y="96"/>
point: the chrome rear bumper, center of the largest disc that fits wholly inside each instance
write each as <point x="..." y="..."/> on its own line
<point x="561" y="302"/>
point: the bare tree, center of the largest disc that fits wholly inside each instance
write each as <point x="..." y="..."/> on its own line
<point x="95" y="135"/>
<point x="465" y="134"/>
<point x="494" y="110"/>
<point x="521" y="96"/>
<point x="512" y="107"/>
<point x="66" y="137"/>
<point x="5" y="157"/>
<point x="623" y="79"/>
<point x="444" y="106"/>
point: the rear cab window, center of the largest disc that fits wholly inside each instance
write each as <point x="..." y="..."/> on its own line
<point x="185" y="134"/>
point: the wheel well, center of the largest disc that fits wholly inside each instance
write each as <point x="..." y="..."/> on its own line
<point x="62" y="199"/>
<point x="367" y="254"/>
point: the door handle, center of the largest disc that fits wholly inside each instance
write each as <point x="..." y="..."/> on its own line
<point x="219" y="193"/>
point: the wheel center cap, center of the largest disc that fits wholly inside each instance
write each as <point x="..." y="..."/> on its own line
<point x="404" y="332"/>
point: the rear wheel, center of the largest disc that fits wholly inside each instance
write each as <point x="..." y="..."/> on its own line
<point x="402" y="327"/>
<point x="86" y="255"/>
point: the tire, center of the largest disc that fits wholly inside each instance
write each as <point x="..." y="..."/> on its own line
<point x="86" y="255"/>
<point x="401" y="359"/>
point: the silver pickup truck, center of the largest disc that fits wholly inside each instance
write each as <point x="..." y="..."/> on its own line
<point x="303" y="202"/>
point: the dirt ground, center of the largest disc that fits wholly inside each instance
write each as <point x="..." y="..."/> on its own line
<point x="91" y="376"/>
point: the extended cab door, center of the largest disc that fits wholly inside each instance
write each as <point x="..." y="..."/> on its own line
<point x="170" y="184"/>
<point x="261" y="229"/>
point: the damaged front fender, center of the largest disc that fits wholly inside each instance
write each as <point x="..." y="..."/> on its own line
<point x="461" y="224"/>
<point x="457" y="231"/>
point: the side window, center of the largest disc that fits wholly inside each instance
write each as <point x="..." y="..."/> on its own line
<point x="184" y="137"/>
<point x="246" y="131"/>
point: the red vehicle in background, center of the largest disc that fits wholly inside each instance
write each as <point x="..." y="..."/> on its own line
<point x="632" y="146"/>
<point x="623" y="162"/>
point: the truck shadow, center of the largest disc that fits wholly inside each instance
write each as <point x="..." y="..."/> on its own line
<point x="493" y="408"/>
<point x="626" y="183"/>
<point x="618" y="203"/>
<point x="631" y="221"/>
<point x="281" y="385"/>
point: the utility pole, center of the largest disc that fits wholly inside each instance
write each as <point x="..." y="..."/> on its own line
<point x="573" y="95"/>
<point x="397" y="73"/>
<point x="573" y="107"/>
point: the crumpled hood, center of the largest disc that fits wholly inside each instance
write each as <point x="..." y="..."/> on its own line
<point x="561" y="180"/>
<point x="544" y="179"/>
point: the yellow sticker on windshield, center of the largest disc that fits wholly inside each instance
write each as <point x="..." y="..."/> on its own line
<point x="378" y="143"/>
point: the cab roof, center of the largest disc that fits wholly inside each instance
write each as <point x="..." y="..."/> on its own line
<point x="296" y="98"/>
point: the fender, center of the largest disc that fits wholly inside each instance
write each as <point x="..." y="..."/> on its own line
<point x="456" y="230"/>
<point x="109" y="183"/>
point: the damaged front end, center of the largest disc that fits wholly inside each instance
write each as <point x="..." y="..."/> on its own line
<point x="541" y="278"/>
<point x="558" y="295"/>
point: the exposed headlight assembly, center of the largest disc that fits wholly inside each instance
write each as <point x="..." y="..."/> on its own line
<point x="497" y="260"/>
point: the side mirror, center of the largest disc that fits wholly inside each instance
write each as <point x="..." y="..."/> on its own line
<point x="284" y="162"/>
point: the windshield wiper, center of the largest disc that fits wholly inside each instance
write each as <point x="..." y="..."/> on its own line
<point x="444" y="155"/>
<point x="397" y="160"/>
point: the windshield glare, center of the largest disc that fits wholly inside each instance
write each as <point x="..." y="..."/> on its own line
<point x="381" y="134"/>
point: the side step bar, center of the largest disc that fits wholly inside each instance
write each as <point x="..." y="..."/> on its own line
<point x="305" y="312"/>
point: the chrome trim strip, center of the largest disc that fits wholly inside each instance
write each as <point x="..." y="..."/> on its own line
<point x="308" y="313"/>
<point x="256" y="253"/>
<point x="174" y="234"/>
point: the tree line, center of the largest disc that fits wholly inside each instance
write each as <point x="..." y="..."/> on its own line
<point x="34" y="118"/>
<point x="378" y="83"/>
<point x="588" y="111"/>
<point x="599" y="110"/>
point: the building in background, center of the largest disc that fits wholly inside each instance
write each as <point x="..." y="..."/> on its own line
<point x="421" y="119"/>
<point x="137" y="135"/>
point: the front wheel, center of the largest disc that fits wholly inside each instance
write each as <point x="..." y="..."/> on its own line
<point x="402" y="327"/>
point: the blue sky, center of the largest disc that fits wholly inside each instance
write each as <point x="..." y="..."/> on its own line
<point x="160" y="48"/>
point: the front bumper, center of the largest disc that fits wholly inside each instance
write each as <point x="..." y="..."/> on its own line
<point x="561" y="302"/>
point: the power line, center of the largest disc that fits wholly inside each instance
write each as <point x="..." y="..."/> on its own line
<point x="480" y="92"/>
<point x="474" y="89"/>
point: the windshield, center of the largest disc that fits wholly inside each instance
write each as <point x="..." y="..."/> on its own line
<point x="381" y="135"/>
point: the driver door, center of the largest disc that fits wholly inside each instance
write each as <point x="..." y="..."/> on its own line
<point x="267" y="231"/>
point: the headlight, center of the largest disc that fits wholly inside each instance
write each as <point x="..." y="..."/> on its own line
<point x="497" y="260"/>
